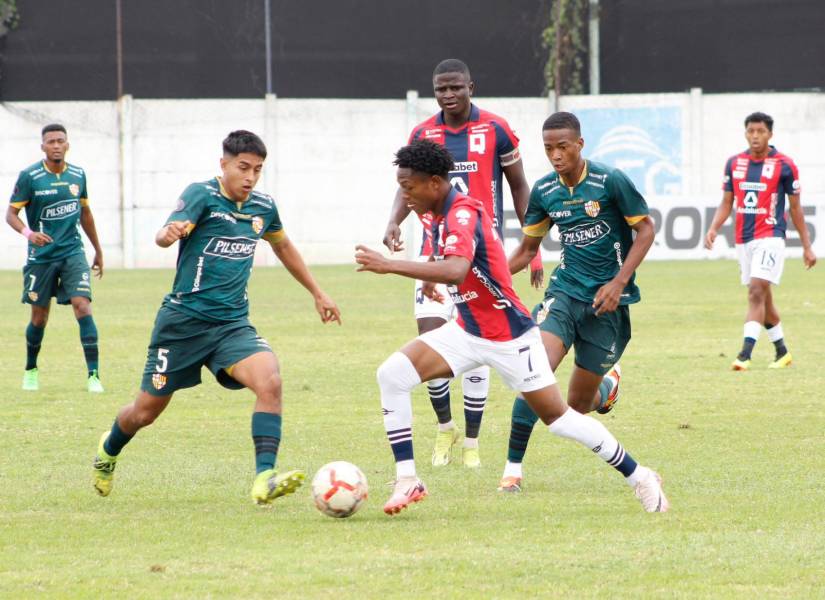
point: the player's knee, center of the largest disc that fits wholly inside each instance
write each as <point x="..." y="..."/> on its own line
<point x="757" y="293"/>
<point x="82" y="309"/>
<point x="272" y="386"/>
<point x="144" y="416"/>
<point x="397" y="373"/>
<point x="580" y="404"/>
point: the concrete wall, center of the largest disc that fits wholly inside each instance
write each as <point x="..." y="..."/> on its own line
<point x="330" y="160"/>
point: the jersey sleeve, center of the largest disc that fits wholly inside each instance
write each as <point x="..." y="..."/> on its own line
<point x="21" y="195"/>
<point x="536" y="220"/>
<point x="415" y="134"/>
<point x="631" y="203"/>
<point x="727" y="179"/>
<point x="274" y="233"/>
<point x="84" y="192"/>
<point x="506" y="144"/>
<point x="190" y="206"/>
<point x="789" y="179"/>
<point x="459" y="232"/>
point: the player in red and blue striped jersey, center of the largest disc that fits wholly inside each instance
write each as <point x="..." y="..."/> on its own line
<point x="757" y="183"/>
<point x="493" y="328"/>
<point x="484" y="149"/>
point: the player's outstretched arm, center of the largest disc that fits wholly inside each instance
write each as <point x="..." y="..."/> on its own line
<point x="35" y="237"/>
<point x="798" y="218"/>
<point x="719" y="218"/>
<point x="289" y="256"/>
<point x="520" y="190"/>
<point x="525" y="252"/>
<point x="452" y="270"/>
<point x="608" y="296"/>
<point x="172" y="232"/>
<point x="392" y="235"/>
<point x="87" y="222"/>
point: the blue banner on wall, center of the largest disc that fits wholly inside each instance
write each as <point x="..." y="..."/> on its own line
<point x="645" y="143"/>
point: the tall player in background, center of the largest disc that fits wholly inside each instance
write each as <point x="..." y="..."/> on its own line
<point x="56" y="200"/>
<point x="493" y="328"/>
<point x="756" y="182"/>
<point x="483" y="148"/>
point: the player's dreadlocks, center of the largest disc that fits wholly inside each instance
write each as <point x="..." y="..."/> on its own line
<point x="563" y="120"/>
<point x="452" y="65"/>
<point x="425" y="156"/>
<point x="241" y="141"/>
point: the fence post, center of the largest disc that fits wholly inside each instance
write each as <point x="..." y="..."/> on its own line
<point x="695" y="172"/>
<point x="126" y="174"/>
<point x="412" y="226"/>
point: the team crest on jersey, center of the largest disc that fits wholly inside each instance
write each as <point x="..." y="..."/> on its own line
<point x="592" y="208"/>
<point x="33" y="296"/>
<point x="158" y="380"/>
<point x="257" y="224"/>
<point x="74" y="189"/>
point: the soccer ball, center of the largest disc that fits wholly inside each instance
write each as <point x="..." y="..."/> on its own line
<point x="339" y="489"/>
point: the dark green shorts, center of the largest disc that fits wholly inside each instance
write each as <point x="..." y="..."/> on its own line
<point x="65" y="278"/>
<point x="182" y="344"/>
<point x="598" y="341"/>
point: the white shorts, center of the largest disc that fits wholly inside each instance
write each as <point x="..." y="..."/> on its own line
<point x="424" y="307"/>
<point x="762" y="258"/>
<point x="522" y="362"/>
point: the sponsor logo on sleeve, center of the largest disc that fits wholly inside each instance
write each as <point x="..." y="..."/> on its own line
<point x="795" y="185"/>
<point x="180" y="205"/>
<point x="462" y="215"/>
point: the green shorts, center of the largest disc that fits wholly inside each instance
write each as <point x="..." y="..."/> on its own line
<point x="65" y="278"/>
<point x="182" y="344"/>
<point x="598" y="341"/>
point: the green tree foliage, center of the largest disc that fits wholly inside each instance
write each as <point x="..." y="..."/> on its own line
<point x="9" y="17"/>
<point x="566" y="41"/>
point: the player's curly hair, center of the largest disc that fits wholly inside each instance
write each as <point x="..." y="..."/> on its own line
<point x="563" y="120"/>
<point x="241" y="141"/>
<point x="424" y="156"/>
<point x="760" y="117"/>
<point x="52" y="127"/>
<point x="452" y="65"/>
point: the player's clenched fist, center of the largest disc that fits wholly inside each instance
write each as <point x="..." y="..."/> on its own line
<point x="370" y="260"/>
<point x="172" y="232"/>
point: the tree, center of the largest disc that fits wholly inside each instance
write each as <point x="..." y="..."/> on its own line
<point x="566" y="40"/>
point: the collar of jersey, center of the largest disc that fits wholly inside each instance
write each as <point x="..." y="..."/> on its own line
<point x="225" y="194"/>
<point x="772" y="152"/>
<point x="475" y="115"/>
<point x="581" y="178"/>
<point x="48" y="170"/>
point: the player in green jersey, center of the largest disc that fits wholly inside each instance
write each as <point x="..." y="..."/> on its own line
<point x="204" y="320"/>
<point x="597" y="209"/>
<point x="54" y="195"/>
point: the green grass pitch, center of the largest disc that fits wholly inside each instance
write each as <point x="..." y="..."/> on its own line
<point x="741" y="455"/>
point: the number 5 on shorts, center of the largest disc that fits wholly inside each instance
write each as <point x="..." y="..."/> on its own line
<point x="163" y="361"/>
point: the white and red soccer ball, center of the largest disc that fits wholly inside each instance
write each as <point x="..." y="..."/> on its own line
<point x="339" y="489"/>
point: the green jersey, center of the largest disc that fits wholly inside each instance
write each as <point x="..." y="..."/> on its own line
<point x="594" y="218"/>
<point x="52" y="202"/>
<point x="215" y="259"/>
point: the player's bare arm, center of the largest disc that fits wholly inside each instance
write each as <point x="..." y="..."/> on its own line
<point x="452" y="270"/>
<point x="35" y="237"/>
<point x="798" y="218"/>
<point x="87" y="222"/>
<point x="172" y="232"/>
<point x="719" y="218"/>
<point x="525" y="252"/>
<point x="289" y="256"/>
<point x="399" y="212"/>
<point x="608" y="296"/>
<point x="520" y="190"/>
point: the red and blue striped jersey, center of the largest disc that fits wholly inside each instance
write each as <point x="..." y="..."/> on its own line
<point x="487" y="305"/>
<point x="481" y="149"/>
<point x="759" y="189"/>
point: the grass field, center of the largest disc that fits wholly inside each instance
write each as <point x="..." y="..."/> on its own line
<point x="741" y="454"/>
